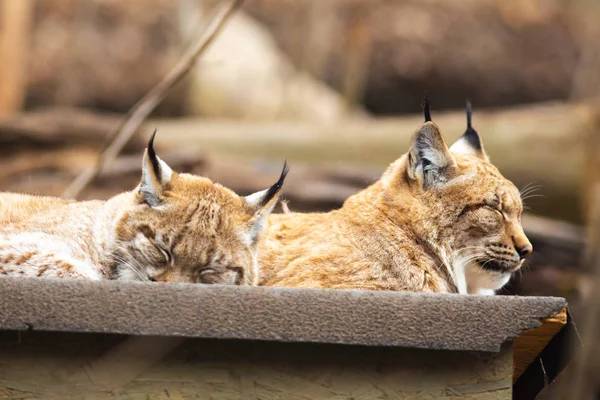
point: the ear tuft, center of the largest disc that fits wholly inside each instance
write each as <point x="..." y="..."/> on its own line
<point x="471" y="134"/>
<point x="470" y="142"/>
<point x="156" y="175"/>
<point x="276" y="188"/>
<point x="264" y="197"/>
<point x="426" y="108"/>
<point x="263" y="202"/>
<point x="469" y="113"/>
<point x="152" y="156"/>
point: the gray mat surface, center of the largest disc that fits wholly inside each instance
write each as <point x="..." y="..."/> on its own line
<point x="434" y="321"/>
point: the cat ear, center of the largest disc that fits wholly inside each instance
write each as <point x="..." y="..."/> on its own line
<point x="263" y="202"/>
<point x="156" y="174"/>
<point x="428" y="158"/>
<point x="470" y="142"/>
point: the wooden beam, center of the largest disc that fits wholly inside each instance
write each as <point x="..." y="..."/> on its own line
<point x="227" y="369"/>
<point x="129" y="359"/>
<point x="531" y="342"/>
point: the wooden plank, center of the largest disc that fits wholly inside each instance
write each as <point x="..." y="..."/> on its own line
<point x="129" y="359"/>
<point x="531" y="342"/>
<point x="228" y="369"/>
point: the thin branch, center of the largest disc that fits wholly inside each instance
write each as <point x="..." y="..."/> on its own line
<point x="148" y="103"/>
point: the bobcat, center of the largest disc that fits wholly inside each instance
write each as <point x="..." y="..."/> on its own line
<point x="172" y="227"/>
<point x="438" y="220"/>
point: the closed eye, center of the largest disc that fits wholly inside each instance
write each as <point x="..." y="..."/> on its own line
<point x="473" y="207"/>
<point x="165" y="253"/>
<point x="490" y="207"/>
<point x="496" y="209"/>
<point x="208" y="271"/>
<point x="228" y="275"/>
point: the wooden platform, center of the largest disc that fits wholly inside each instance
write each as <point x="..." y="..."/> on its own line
<point x="102" y="340"/>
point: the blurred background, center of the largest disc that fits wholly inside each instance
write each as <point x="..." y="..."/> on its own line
<point x="334" y="87"/>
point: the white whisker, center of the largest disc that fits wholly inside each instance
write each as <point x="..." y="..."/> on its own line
<point x="529" y="191"/>
<point x="529" y="196"/>
<point x="529" y="188"/>
<point x="455" y="265"/>
<point x="127" y="253"/>
<point x="126" y="264"/>
<point x="127" y="260"/>
<point x="466" y="248"/>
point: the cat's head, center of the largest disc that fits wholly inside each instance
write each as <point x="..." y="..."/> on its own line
<point x="185" y="228"/>
<point x="464" y="206"/>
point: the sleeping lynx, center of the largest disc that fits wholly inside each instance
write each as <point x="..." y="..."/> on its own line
<point x="172" y="227"/>
<point x="439" y="220"/>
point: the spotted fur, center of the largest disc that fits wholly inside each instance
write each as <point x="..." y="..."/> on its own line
<point x="172" y="227"/>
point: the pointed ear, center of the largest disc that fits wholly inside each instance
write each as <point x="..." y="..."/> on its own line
<point x="429" y="160"/>
<point x="156" y="175"/>
<point x="470" y="142"/>
<point x="263" y="202"/>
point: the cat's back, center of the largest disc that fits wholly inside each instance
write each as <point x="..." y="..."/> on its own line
<point x="45" y="237"/>
<point x="15" y="207"/>
<point x="294" y="226"/>
<point x="53" y="215"/>
<point x="285" y="248"/>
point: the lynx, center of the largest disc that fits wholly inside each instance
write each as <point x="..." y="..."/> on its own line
<point x="438" y="220"/>
<point x="172" y="227"/>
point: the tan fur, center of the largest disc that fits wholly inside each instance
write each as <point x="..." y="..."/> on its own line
<point x="14" y="207"/>
<point x="416" y="229"/>
<point x="173" y="227"/>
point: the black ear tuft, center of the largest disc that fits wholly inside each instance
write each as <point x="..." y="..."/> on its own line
<point x="273" y="190"/>
<point x="152" y="156"/>
<point x="426" y="109"/>
<point x="471" y="134"/>
<point x="469" y="126"/>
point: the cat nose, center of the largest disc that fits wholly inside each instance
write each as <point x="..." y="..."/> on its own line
<point x="525" y="250"/>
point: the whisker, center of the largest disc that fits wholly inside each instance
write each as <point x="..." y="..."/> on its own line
<point x="531" y="195"/>
<point x="467" y="248"/>
<point x="131" y="257"/>
<point x="451" y="257"/>
<point x="131" y="263"/>
<point x="453" y="262"/>
<point x="529" y="191"/>
<point x="125" y="263"/>
<point x="527" y="186"/>
<point x="530" y="187"/>
<point x="467" y="260"/>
